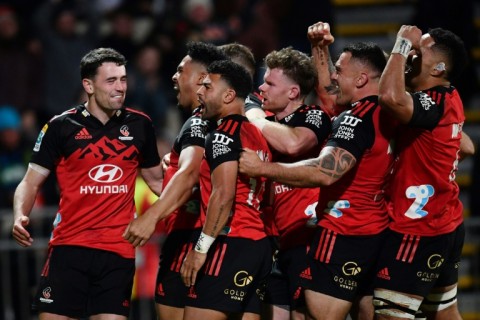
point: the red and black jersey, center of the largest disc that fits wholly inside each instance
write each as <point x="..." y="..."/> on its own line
<point x="424" y="192"/>
<point x="294" y="208"/>
<point x="193" y="133"/>
<point x="225" y="144"/>
<point x="96" y="167"/>
<point x="355" y="204"/>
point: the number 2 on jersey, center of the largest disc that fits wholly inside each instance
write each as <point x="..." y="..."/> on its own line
<point x="421" y="194"/>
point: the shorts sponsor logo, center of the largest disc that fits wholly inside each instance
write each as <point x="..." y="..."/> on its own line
<point x="242" y="279"/>
<point x="427" y="276"/>
<point x="345" y="283"/>
<point x="351" y="269"/>
<point x="306" y="274"/>
<point x="235" y="294"/>
<point x="126" y="303"/>
<point x="435" y="261"/>
<point x="384" y="274"/>
<point x="348" y="269"/>
<point x="46" y="294"/>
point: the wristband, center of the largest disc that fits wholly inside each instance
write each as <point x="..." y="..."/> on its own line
<point x="402" y="46"/>
<point x="259" y="123"/>
<point x="203" y="243"/>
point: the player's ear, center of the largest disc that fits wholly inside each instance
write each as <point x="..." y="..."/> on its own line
<point x="229" y="96"/>
<point x="361" y="80"/>
<point x="294" y="92"/>
<point x="87" y="86"/>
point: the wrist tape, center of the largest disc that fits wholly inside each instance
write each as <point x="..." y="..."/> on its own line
<point x="203" y="243"/>
<point x="402" y="46"/>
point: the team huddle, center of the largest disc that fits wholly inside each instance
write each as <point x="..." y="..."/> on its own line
<point x="328" y="192"/>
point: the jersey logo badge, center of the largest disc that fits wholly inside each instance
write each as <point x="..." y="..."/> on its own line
<point x="83" y="135"/>
<point x="125" y="133"/>
<point x="105" y="173"/>
<point x="220" y="144"/>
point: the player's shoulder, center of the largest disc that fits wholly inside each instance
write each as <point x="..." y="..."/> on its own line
<point x="232" y="124"/>
<point x="136" y="113"/>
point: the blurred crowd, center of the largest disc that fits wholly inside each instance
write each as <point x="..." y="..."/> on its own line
<point x="42" y="42"/>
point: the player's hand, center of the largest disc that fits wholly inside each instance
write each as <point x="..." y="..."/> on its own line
<point x="139" y="231"/>
<point x="412" y="33"/>
<point x="165" y="162"/>
<point x="249" y="163"/>
<point x="191" y="265"/>
<point x="319" y="34"/>
<point x="19" y="233"/>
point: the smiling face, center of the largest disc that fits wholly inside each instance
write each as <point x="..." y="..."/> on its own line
<point x="108" y="87"/>
<point x="345" y="76"/>
<point x="186" y="82"/>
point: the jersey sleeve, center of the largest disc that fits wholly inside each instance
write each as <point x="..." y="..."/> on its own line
<point x="149" y="156"/>
<point x="193" y="133"/>
<point x="48" y="148"/>
<point x="315" y="119"/>
<point x="352" y="133"/>
<point x="426" y="113"/>
<point x="222" y="147"/>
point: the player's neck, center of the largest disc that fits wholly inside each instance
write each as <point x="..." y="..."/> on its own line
<point x="102" y="114"/>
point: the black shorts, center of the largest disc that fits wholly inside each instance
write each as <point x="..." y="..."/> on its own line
<point x="285" y="288"/>
<point x="342" y="266"/>
<point x="415" y="265"/>
<point x="170" y="289"/>
<point x="79" y="282"/>
<point x="232" y="279"/>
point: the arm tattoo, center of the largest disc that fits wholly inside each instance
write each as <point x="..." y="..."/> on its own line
<point x="217" y="221"/>
<point x="334" y="163"/>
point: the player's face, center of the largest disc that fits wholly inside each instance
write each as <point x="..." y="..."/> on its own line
<point x="211" y="95"/>
<point x="275" y="90"/>
<point x="186" y="82"/>
<point x="346" y="73"/>
<point x="109" y="86"/>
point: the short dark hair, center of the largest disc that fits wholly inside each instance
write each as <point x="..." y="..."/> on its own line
<point x="234" y="74"/>
<point x="204" y="53"/>
<point x="368" y="53"/>
<point x="94" y="59"/>
<point x="454" y="50"/>
<point x="240" y="54"/>
<point x="296" y="65"/>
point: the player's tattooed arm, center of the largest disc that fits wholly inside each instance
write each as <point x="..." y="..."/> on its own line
<point x="326" y="169"/>
<point x="333" y="162"/>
